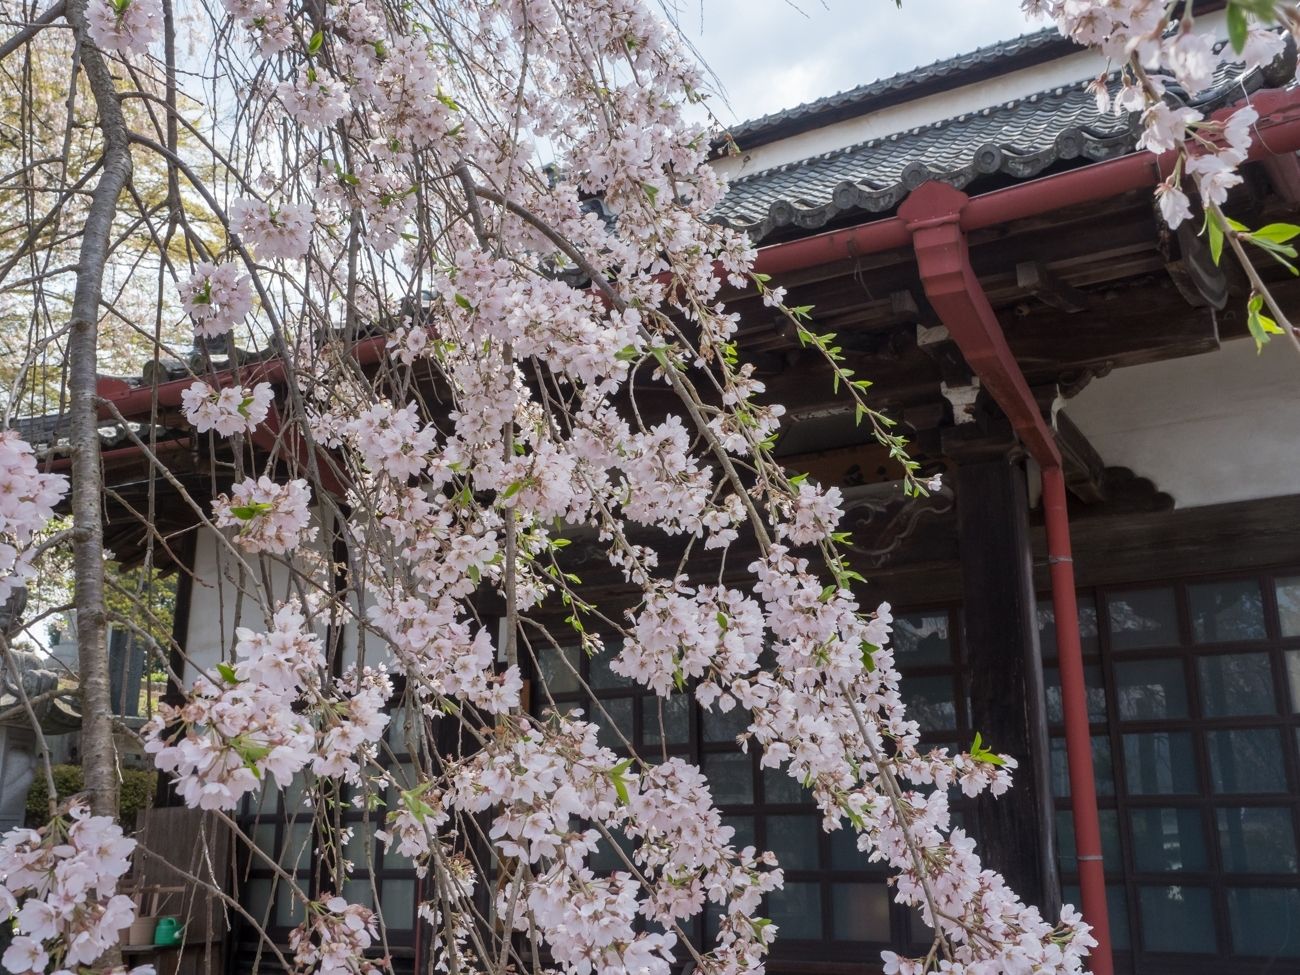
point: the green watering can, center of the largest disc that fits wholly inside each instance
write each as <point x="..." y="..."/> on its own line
<point x="168" y="932"/>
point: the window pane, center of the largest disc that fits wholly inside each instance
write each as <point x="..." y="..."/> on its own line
<point x="606" y="858"/>
<point x="1116" y="911"/>
<point x="360" y="847"/>
<point x="1288" y="605"/>
<point x="845" y="854"/>
<point x="1047" y="626"/>
<point x="1096" y="694"/>
<point x="780" y="787"/>
<point x="267" y="801"/>
<point x="616" y="714"/>
<point x="264" y="839"/>
<point x="676" y="718"/>
<point x="558" y="669"/>
<point x="921" y="639"/>
<point x="1226" y="611"/>
<point x="930" y="702"/>
<point x="289" y="911"/>
<point x="297" y="851"/>
<point x="1110" y="848"/>
<point x="1167" y="839"/>
<point x="359" y="892"/>
<point x="1142" y="618"/>
<point x="860" y="912"/>
<point x="720" y="726"/>
<point x="255" y="894"/>
<point x="1265" y="921"/>
<point x="794" y="841"/>
<point x="1150" y="689"/>
<point x="1239" y="683"/>
<point x="600" y="676"/>
<point x="398" y="903"/>
<point x="1293" y="678"/>
<point x="731" y="778"/>
<point x="1103" y="770"/>
<point x="1177" y="919"/>
<point x="1246" y="760"/>
<point x="1256" y="840"/>
<point x="744" y="827"/>
<point x="797" y="910"/>
<point x="1160" y="763"/>
<point x="404" y="777"/>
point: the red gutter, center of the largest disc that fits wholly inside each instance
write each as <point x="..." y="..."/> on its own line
<point x="933" y="214"/>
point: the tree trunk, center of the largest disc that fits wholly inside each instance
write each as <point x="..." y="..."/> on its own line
<point x="98" y="758"/>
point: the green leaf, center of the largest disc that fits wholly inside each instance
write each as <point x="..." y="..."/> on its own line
<point x="227" y="673"/>
<point x="1261" y="326"/>
<point x="514" y="488"/>
<point x="982" y="754"/>
<point x="247" y="512"/>
<point x="464" y="302"/>
<point x="1278" y="233"/>
<point x="828" y="592"/>
<point x="1238" y="27"/>
<point x="651" y="191"/>
<point x="1215" y="233"/>
<point x="869" y="656"/>
<point x="627" y="354"/>
<point x="723" y="622"/>
<point x="618" y="782"/>
<point x="314" y="45"/>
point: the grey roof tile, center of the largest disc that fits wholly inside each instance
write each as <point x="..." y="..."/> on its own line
<point x="1017" y="140"/>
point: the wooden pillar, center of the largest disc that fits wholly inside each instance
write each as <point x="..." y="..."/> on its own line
<point x="1003" y="665"/>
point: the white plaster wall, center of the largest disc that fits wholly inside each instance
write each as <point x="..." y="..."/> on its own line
<point x="215" y="607"/>
<point x="1224" y="426"/>
<point x="216" y="610"/>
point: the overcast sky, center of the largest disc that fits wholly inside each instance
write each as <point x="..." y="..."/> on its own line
<point x="772" y="54"/>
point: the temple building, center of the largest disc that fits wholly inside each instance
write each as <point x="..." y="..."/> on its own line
<point x="984" y="242"/>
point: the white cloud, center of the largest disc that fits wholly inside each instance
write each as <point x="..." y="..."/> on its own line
<point x="774" y="54"/>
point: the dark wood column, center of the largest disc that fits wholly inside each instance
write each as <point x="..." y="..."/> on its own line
<point x="1004" y="669"/>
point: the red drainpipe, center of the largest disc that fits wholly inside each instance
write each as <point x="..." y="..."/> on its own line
<point x="934" y="215"/>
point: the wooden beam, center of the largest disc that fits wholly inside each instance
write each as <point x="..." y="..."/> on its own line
<point x="1037" y="280"/>
<point x="1085" y="471"/>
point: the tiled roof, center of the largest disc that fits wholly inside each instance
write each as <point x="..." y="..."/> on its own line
<point x="1017" y="140"/>
<point x="942" y="74"/>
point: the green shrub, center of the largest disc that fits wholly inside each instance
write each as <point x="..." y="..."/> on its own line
<point x="137" y="791"/>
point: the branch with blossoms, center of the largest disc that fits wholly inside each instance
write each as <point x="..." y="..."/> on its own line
<point x="1156" y="46"/>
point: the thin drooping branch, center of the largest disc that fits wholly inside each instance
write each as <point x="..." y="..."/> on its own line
<point x="44" y="20"/>
<point x="97" y="749"/>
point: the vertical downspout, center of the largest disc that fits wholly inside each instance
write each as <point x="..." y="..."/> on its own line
<point x="933" y="216"/>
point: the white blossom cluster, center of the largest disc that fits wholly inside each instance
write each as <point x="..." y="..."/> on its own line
<point x="27" y="500"/>
<point x="59" y="885"/>
<point x="227" y="411"/>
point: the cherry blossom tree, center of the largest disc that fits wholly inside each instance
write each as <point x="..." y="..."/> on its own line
<point x="509" y="201"/>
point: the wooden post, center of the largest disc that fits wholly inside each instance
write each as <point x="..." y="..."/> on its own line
<point x="1004" y="669"/>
